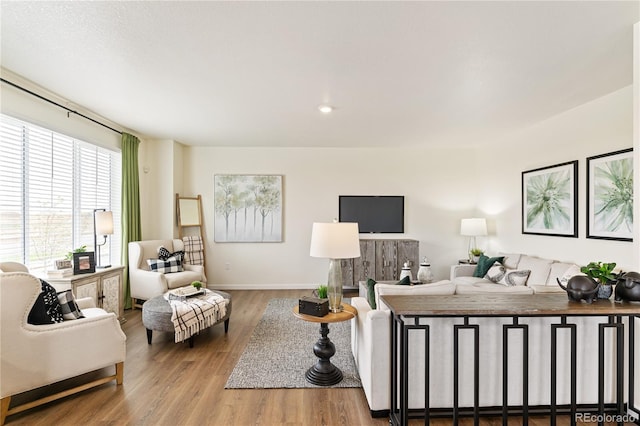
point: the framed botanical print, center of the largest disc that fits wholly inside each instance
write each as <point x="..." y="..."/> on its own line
<point x="84" y="263"/>
<point x="610" y="196"/>
<point x="550" y="200"/>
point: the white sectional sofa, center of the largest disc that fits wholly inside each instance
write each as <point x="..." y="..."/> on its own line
<point x="370" y="340"/>
<point x="542" y="278"/>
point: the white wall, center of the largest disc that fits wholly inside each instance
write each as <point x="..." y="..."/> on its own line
<point x="434" y="182"/>
<point x="440" y="186"/>
<point x="19" y="104"/>
<point x="160" y="167"/>
<point x="601" y="126"/>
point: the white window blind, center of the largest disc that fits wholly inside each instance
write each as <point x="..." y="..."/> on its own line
<point x="49" y="186"/>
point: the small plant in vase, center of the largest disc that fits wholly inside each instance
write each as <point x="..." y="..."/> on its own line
<point x="475" y="254"/>
<point x="603" y="273"/>
<point x="321" y="291"/>
<point x="197" y="285"/>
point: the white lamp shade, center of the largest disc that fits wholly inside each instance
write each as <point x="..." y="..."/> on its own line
<point x="104" y="223"/>
<point x="338" y="240"/>
<point x="473" y="227"/>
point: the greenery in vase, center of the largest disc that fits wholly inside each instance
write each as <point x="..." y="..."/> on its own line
<point x="601" y="272"/>
<point x="477" y="252"/>
<point x="197" y="284"/>
<point x="81" y="249"/>
<point x="322" y="291"/>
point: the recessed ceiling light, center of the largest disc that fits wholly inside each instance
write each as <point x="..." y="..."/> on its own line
<point x="325" y="109"/>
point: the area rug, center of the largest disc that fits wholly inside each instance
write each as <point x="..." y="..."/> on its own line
<point x="280" y="351"/>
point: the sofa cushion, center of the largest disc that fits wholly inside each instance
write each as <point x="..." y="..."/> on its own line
<point x="539" y="268"/>
<point x="489" y="287"/>
<point x="46" y="309"/>
<point x="180" y="279"/>
<point x="562" y="271"/>
<point x="68" y="306"/>
<point x="547" y="289"/>
<point x="371" y="283"/>
<point x="511" y="260"/>
<point x="484" y="263"/>
<point x="443" y="288"/>
<point x="167" y="266"/>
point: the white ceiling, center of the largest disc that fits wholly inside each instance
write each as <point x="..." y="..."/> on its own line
<point x="253" y="73"/>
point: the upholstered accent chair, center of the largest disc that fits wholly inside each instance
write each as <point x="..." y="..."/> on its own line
<point x="32" y="356"/>
<point x="145" y="283"/>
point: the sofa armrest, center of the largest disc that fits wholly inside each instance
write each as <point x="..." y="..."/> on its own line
<point x="146" y="284"/>
<point x="370" y="340"/>
<point x="461" y="271"/>
<point x="86" y="303"/>
<point x="196" y="268"/>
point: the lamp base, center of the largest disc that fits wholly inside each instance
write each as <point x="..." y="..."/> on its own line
<point x="336" y="310"/>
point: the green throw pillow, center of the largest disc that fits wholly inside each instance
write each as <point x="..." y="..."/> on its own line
<point x="404" y="281"/>
<point x="484" y="264"/>
<point x="371" y="295"/>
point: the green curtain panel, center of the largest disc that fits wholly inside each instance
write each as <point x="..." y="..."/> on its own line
<point x="131" y="230"/>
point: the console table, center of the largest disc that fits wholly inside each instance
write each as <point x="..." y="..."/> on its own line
<point x="104" y="286"/>
<point x="407" y="310"/>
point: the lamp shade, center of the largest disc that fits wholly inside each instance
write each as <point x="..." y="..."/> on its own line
<point x="473" y="227"/>
<point x="338" y="240"/>
<point x="104" y="222"/>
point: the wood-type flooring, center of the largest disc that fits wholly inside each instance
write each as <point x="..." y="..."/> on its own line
<point x="170" y="384"/>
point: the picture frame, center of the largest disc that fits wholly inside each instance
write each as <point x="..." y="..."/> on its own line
<point x="550" y="200"/>
<point x="248" y="208"/>
<point x="610" y="196"/>
<point x="84" y="263"/>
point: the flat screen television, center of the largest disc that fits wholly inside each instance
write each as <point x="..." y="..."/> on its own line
<point x="374" y="213"/>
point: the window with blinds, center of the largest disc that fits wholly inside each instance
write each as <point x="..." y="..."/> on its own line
<point x="49" y="186"/>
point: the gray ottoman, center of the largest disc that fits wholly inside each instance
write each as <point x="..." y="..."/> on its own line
<point x="156" y="315"/>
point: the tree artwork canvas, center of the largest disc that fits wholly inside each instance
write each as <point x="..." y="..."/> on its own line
<point x="550" y="200"/>
<point x="248" y="208"/>
<point x="610" y="196"/>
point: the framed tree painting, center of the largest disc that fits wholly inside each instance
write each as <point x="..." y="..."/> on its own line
<point x="550" y="200"/>
<point x="248" y="208"/>
<point x="610" y="196"/>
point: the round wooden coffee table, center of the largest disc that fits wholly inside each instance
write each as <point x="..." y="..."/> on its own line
<point x="323" y="373"/>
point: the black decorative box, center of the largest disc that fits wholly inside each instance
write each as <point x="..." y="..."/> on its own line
<point x="313" y="306"/>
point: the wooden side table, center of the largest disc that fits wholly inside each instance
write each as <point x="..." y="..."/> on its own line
<point x="323" y="373"/>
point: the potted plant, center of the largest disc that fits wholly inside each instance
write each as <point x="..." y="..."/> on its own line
<point x="603" y="273"/>
<point x="475" y="254"/>
<point x="321" y="291"/>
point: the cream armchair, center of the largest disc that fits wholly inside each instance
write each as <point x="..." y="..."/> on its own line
<point x="146" y="284"/>
<point x="32" y="356"/>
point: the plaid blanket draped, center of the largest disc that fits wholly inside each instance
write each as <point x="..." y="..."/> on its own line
<point x="193" y="250"/>
<point x="192" y="314"/>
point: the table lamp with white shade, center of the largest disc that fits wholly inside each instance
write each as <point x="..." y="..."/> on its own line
<point x="473" y="228"/>
<point x="335" y="241"/>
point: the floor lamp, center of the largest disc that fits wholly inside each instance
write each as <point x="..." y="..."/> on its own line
<point x="335" y="241"/>
<point x="102" y="225"/>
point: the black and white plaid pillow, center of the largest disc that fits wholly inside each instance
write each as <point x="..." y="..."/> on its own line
<point x="70" y="309"/>
<point x="172" y="264"/>
<point x="163" y="254"/>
